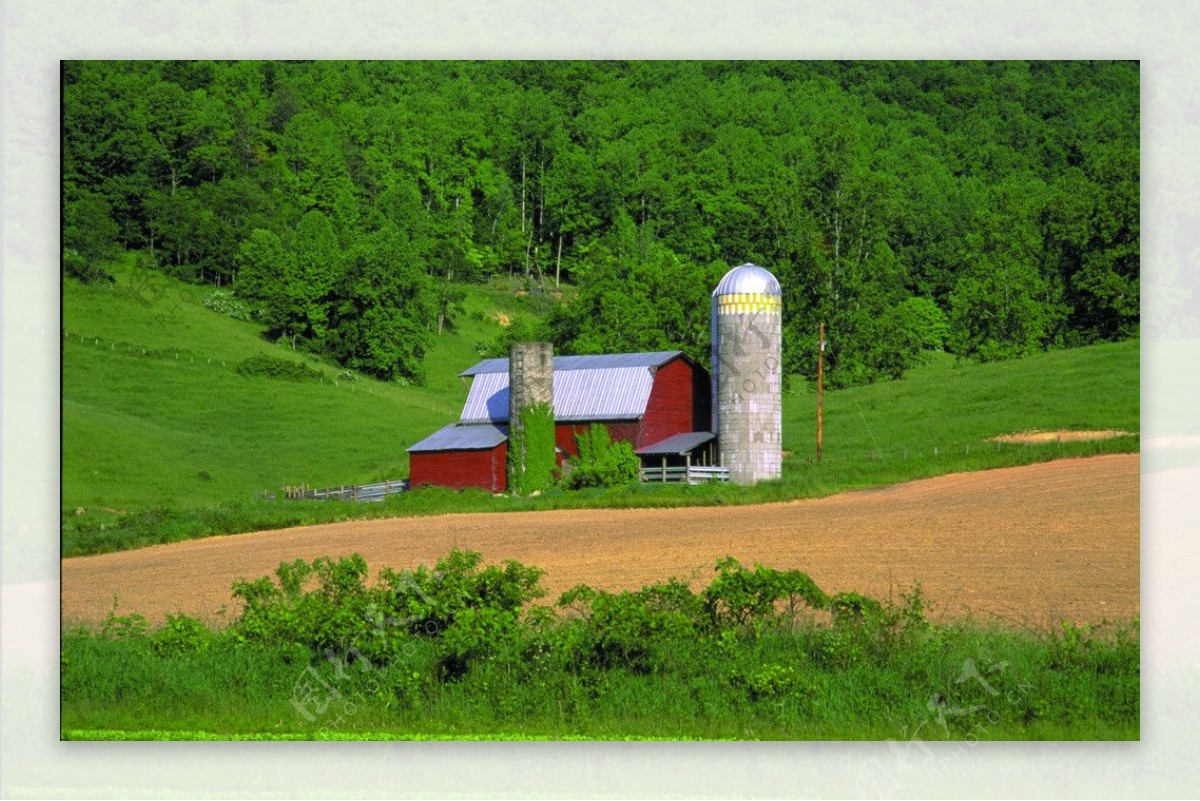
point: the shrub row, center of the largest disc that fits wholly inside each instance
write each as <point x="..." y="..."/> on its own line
<point x="758" y="652"/>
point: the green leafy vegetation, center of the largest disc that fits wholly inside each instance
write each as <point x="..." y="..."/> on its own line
<point x="465" y="651"/>
<point x="273" y="367"/>
<point x="990" y="208"/>
<point x="531" y="451"/>
<point x="601" y="462"/>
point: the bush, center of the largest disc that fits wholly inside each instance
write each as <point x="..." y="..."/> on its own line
<point x="222" y="301"/>
<point x="629" y="630"/>
<point x="377" y="622"/>
<point x="276" y="368"/>
<point x="601" y="462"/>
<point x="752" y="598"/>
<point x="86" y="270"/>
<point x="182" y="634"/>
<point x="123" y="627"/>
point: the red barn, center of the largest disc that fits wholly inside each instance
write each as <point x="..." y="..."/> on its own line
<point x="643" y="399"/>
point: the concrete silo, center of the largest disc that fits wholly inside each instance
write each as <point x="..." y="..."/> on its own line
<point x="747" y="360"/>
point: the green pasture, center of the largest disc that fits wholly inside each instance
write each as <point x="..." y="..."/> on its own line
<point x="162" y="440"/>
<point x="154" y="414"/>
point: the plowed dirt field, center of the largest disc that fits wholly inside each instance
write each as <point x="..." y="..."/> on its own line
<point x="1027" y="546"/>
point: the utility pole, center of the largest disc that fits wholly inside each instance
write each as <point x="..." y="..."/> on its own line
<point x="820" y="378"/>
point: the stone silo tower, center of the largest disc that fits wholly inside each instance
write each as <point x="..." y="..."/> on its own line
<point x="747" y="373"/>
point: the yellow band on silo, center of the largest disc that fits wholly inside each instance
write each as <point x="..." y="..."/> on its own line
<point x="749" y="303"/>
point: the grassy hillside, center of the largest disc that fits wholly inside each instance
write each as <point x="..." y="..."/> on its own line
<point x="154" y="412"/>
<point x="945" y="413"/>
<point x="161" y="437"/>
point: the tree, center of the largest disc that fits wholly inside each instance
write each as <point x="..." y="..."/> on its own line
<point x="261" y="259"/>
<point x="384" y="310"/>
<point x="1002" y="306"/>
<point x="637" y="295"/>
<point x="862" y="185"/>
<point x="1092" y="242"/>
<point x="236" y="206"/>
<point x="181" y="225"/>
<point x="317" y="266"/>
<point x="88" y="226"/>
<point x="994" y="311"/>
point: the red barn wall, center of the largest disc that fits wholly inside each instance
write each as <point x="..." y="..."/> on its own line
<point x="458" y="469"/>
<point x="623" y="431"/>
<point x="619" y="431"/>
<point x="679" y="403"/>
<point x="564" y="437"/>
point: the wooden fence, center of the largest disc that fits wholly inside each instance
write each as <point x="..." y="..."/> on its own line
<point x="362" y="492"/>
<point x="693" y="474"/>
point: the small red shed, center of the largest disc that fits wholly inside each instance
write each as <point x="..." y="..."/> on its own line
<point x="461" y="456"/>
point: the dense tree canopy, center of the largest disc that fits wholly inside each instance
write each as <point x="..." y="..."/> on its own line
<point x="987" y="208"/>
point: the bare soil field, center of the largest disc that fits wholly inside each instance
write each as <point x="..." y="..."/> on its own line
<point x="1025" y="546"/>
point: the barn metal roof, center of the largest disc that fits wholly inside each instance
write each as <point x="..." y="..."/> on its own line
<point x="749" y="279"/>
<point x="677" y="444"/>
<point x="609" y="393"/>
<point x="597" y="362"/>
<point x="459" y="437"/>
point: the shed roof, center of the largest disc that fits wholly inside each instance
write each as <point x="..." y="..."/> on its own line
<point x="460" y="437"/>
<point x="677" y="444"/>
<point x="612" y="387"/>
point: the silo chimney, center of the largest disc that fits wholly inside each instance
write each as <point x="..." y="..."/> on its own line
<point x="747" y="373"/>
<point x="531" y="457"/>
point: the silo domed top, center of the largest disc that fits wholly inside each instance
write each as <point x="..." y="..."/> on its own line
<point x="748" y="279"/>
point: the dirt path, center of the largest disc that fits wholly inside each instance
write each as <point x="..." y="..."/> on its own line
<point x="1027" y="545"/>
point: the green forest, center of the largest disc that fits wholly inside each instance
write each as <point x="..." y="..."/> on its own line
<point x="987" y="209"/>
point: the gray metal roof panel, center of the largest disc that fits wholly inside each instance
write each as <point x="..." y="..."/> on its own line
<point x="486" y="366"/>
<point x="459" y="437"/>
<point x="487" y="400"/>
<point x="677" y="444"/>
<point x="610" y="393"/>
<point x="593" y="362"/>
